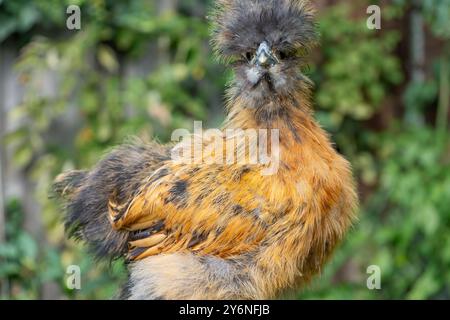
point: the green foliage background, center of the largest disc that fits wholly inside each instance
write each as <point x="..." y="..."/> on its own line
<point x="402" y="165"/>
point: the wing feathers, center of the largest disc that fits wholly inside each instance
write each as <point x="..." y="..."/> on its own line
<point x="166" y="215"/>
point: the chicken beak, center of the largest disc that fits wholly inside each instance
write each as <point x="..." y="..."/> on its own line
<point x="264" y="56"/>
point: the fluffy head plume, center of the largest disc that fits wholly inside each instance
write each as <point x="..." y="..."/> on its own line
<point x="239" y="26"/>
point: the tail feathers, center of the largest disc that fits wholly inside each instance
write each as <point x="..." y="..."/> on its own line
<point x="86" y="195"/>
<point x="66" y="184"/>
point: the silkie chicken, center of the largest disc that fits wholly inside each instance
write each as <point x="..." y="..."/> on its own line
<point x="197" y="230"/>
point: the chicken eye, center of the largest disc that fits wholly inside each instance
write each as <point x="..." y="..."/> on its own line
<point x="248" y="56"/>
<point x="282" y="54"/>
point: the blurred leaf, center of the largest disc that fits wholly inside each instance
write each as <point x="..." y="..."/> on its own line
<point x="107" y="58"/>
